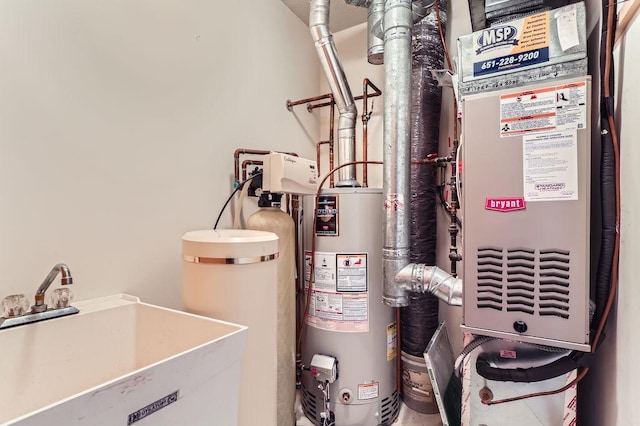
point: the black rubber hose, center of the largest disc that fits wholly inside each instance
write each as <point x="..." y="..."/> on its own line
<point x="607" y="185"/>
<point x="420" y="319"/>
<point x="534" y="374"/>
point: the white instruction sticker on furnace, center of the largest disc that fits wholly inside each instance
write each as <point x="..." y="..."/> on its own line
<point x="368" y="390"/>
<point x="550" y="166"/>
<point x="352" y="272"/>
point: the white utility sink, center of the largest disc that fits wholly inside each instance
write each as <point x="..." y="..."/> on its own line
<point x="121" y="362"/>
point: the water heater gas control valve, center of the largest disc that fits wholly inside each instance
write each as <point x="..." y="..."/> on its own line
<point x="324" y="368"/>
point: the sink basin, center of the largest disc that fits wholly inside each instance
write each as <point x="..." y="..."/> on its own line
<point x="121" y="361"/>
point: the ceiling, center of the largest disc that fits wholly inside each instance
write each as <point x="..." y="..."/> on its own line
<point x="341" y="15"/>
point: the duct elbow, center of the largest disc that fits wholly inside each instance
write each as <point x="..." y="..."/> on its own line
<point x="433" y="280"/>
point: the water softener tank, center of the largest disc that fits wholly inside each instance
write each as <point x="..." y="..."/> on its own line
<point x="280" y="223"/>
<point x="346" y="317"/>
<point x="231" y="275"/>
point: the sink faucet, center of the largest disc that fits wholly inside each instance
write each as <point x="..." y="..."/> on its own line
<point x="65" y="279"/>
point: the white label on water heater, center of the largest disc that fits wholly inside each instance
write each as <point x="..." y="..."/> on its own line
<point x="352" y="272"/>
<point x="324" y="270"/>
<point x="368" y="390"/>
<point x="339" y="299"/>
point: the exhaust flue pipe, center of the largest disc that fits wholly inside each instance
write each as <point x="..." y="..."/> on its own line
<point x="319" y="26"/>
<point x="401" y="276"/>
<point x="396" y="146"/>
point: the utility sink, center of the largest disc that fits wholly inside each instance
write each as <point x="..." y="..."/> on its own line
<point x="121" y="362"/>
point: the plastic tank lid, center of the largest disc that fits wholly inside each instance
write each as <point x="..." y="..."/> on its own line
<point x="229" y="236"/>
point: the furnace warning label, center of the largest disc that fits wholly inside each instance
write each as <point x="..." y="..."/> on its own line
<point x="352" y="272"/>
<point x="528" y="112"/>
<point x="551" y="166"/>
<point x="338" y="298"/>
<point x="544" y="110"/>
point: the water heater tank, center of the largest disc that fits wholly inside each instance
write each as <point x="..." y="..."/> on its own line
<point x="346" y="318"/>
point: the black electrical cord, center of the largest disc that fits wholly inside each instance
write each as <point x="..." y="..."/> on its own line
<point x="239" y="187"/>
<point x="446" y="206"/>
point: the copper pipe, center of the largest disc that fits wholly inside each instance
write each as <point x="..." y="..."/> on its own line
<point x="376" y="93"/>
<point x="291" y="104"/>
<point x="246" y="163"/>
<point x="365" y="132"/>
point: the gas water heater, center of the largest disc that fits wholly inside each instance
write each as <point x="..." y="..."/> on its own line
<point x="347" y="324"/>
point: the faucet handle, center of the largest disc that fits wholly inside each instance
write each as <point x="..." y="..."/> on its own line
<point x="60" y="298"/>
<point x="15" y="305"/>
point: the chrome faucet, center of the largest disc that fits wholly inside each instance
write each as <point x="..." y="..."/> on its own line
<point x="65" y="279"/>
<point x="39" y="311"/>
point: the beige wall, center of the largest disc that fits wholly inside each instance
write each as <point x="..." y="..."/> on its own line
<point x="118" y="122"/>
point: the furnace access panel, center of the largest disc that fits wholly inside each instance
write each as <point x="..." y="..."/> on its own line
<point x="526" y="200"/>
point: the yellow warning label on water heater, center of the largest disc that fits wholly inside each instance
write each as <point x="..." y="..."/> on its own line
<point x="392" y="341"/>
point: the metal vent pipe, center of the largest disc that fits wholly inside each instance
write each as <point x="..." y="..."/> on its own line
<point x="401" y="276"/>
<point x="319" y="27"/>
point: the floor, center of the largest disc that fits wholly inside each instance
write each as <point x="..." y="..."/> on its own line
<point x="407" y="417"/>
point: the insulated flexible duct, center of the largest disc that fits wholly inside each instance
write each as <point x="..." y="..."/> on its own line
<point x="420" y="318"/>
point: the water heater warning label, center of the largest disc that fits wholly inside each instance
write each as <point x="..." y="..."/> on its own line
<point x="392" y="341"/>
<point x="368" y="390"/>
<point x="352" y="272"/>
<point x="339" y="299"/>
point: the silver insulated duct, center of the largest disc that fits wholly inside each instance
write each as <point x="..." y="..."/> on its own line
<point x="319" y="27"/>
<point x="401" y="276"/>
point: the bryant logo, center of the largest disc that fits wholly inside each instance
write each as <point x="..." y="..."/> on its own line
<point x="505" y="204"/>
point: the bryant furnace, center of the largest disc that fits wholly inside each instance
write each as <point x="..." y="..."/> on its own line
<point x="526" y="156"/>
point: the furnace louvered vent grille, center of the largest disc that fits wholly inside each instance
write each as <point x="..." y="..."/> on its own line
<point x="554" y="283"/>
<point x="522" y="279"/>
<point x="521" y="276"/>
<point x="490" y="267"/>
